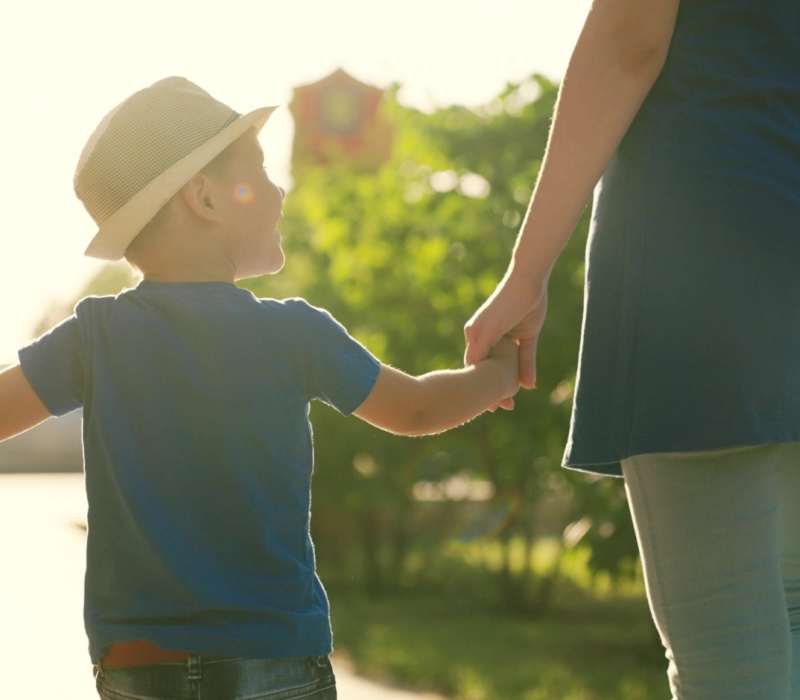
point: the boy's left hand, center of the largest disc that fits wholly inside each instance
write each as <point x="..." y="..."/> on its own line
<point x="507" y="352"/>
<point x="20" y="407"/>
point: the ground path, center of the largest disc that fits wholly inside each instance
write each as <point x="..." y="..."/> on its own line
<point x="41" y="588"/>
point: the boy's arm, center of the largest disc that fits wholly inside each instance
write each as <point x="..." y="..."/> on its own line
<point x="438" y="401"/>
<point x="20" y="407"/>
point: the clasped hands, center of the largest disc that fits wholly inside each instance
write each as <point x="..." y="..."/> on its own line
<point x="516" y="309"/>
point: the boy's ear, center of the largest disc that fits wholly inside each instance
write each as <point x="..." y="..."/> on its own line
<point x="201" y="195"/>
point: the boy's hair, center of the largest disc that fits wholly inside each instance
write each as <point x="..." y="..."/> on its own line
<point x="215" y="168"/>
<point x="145" y="150"/>
<point x="217" y="165"/>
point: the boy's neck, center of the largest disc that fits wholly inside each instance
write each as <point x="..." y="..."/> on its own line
<point x="186" y="276"/>
<point x="185" y="263"/>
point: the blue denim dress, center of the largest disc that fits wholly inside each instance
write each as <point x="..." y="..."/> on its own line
<point x="691" y="336"/>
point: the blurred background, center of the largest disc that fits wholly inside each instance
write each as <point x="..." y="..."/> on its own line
<point x="63" y="66"/>
<point x="470" y="564"/>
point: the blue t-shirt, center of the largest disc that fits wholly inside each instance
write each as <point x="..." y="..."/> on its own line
<point x="691" y="334"/>
<point x="198" y="461"/>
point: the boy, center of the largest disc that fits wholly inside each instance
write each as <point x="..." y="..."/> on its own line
<point x="198" y="452"/>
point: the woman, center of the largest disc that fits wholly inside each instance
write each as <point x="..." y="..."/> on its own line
<point x="686" y="115"/>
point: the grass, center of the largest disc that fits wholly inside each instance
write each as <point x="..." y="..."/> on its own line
<point x="589" y="645"/>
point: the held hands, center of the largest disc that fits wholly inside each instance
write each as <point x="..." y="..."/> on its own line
<point x="517" y="308"/>
<point x="506" y="352"/>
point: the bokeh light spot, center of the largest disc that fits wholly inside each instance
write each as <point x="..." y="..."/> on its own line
<point x="486" y="522"/>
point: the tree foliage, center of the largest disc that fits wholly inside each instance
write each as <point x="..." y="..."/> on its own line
<point x="403" y="255"/>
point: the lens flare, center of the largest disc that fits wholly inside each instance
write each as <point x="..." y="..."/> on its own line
<point x="243" y="193"/>
<point x="488" y="520"/>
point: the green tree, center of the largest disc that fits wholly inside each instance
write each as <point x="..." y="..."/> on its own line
<point x="403" y="255"/>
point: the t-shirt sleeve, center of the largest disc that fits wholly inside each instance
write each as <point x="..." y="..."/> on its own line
<point x="340" y="370"/>
<point x="52" y="365"/>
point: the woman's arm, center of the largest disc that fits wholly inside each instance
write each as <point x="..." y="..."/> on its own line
<point x="619" y="54"/>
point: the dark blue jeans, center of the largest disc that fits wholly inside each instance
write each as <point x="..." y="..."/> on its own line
<point x="223" y="679"/>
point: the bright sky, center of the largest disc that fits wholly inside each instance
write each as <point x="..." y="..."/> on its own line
<point x="64" y="65"/>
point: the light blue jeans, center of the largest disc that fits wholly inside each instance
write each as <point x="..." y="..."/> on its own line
<point x="223" y="679"/>
<point x="719" y="536"/>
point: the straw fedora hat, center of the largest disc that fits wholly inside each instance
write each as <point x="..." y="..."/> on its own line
<point x="145" y="150"/>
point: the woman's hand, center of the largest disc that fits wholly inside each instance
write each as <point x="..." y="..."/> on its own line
<point x="517" y="308"/>
<point x="618" y="57"/>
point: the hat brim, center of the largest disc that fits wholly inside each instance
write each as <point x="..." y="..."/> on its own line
<point x="116" y="234"/>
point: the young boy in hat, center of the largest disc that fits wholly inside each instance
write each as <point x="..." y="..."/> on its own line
<point x="195" y="395"/>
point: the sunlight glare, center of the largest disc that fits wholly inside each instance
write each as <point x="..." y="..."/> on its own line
<point x="450" y="51"/>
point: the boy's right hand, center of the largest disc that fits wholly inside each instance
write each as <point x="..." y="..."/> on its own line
<point x="506" y="352"/>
